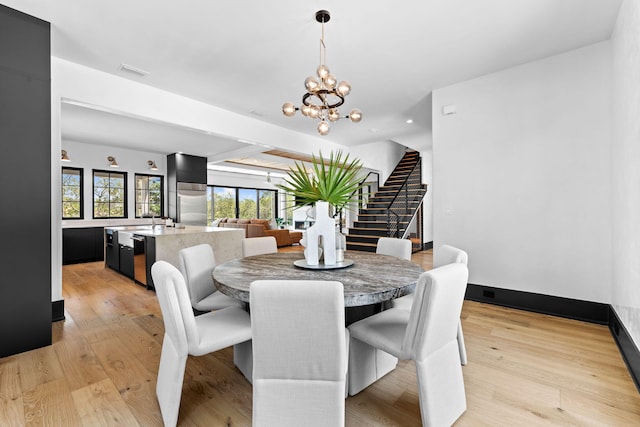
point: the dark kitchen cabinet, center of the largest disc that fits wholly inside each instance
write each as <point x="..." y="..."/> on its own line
<point x="82" y="245"/>
<point x="112" y="252"/>
<point x="25" y="182"/>
<point x="187" y="168"/>
<point x="126" y="261"/>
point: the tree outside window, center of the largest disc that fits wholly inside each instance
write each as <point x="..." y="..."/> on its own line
<point x="248" y="203"/>
<point x="267" y="204"/>
<point x="72" y="193"/>
<point x="224" y="202"/>
<point x="149" y="196"/>
<point x="109" y="194"/>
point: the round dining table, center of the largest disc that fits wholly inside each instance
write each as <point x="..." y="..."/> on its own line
<point x="368" y="283"/>
<point x="371" y="279"/>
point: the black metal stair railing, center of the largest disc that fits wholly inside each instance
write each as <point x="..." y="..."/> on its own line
<point x="400" y="206"/>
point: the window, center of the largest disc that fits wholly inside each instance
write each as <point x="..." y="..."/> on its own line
<point x="230" y="202"/>
<point x="72" y="203"/>
<point x="248" y="203"/>
<point x="149" y="196"/>
<point x="289" y="206"/>
<point x="267" y="204"/>
<point x="224" y="202"/>
<point x="109" y="194"/>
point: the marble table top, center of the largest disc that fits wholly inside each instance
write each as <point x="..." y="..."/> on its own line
<point x="371" y="279"/>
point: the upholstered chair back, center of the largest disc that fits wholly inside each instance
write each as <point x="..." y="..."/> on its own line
<point x="196" y="265"/>
<point x="435" y="313"/>
<point x="447" y="254"/>
<point x="299" y="353"/>
<point x="173" y="278"/>
<point x="400" y="248"/>
<point x="259" y="246"/>
<point x="164" y="278"/>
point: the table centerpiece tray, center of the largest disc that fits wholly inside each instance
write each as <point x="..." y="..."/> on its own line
<point x="302" y="263"/>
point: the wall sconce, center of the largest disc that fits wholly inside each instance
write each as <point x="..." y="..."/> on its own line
<point x="112" y="162"/>
<point x="152" y="165"/>
<point x="64" y="157"/>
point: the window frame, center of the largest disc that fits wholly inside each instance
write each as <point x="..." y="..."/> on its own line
<point x="135" y="193"/>
<point x="124" y="190"/>
<point x="81" y="201"/>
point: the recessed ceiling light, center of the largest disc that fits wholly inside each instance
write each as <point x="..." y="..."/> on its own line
<point x="138" y="71"/>
<point x="409" y="121"/>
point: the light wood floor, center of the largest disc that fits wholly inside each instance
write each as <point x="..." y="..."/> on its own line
<point x="524" y="369"/>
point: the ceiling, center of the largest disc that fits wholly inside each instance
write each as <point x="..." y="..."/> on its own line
<point x="250" y="56"/>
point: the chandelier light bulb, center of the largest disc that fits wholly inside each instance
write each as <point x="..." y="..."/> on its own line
<point x="343" y="88"/>
<point x="314" y="112"/>
<point x="288" y="109"/>
<point x="323" y="71"/>
<point x="330" y="81"/>
<point x="355" y="115"/>
<point x="311" y="84"/>
<point x="323" y="128"/>
<point x="305" y="110"/>
<point x="334" y="115"/>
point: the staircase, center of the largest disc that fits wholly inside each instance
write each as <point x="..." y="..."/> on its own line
<point x="389" y="212"/>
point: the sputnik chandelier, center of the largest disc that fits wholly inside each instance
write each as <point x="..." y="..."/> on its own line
<point x="324" y="94"/>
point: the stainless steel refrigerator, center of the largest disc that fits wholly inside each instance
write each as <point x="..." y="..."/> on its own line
<point x="191" y="203"/>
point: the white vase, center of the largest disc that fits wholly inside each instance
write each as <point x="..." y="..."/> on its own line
<point x="324" y="226"/>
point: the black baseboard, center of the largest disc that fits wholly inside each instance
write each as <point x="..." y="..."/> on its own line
<point x="627" y="347"/>
<point x="593" y="312"/>
<point x="57" y="310"/>
<point x="427" y="246"/>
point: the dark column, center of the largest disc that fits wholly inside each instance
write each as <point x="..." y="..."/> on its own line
<point x="25" y="182"/>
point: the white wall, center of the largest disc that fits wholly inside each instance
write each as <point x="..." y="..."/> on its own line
<point x="625" y="167"/>
<point x="382" y="156"/>
<point x="233" y="179"/>
<point x="521" y="176"/>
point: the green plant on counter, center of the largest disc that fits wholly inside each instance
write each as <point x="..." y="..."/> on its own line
<point x="334" y="180"/>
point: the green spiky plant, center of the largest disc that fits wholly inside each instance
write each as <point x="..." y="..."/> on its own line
<point x="334" y="180"/>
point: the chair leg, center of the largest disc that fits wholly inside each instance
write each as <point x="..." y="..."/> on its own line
<point x="169" y="385"/>
<point x="441" y="386"/>
<point x="367" y="364"/>
<point x="461" y="348"/>
<point x="243" y="359"/>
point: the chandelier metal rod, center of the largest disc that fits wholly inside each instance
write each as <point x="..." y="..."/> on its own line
<point x="323" y="47"/>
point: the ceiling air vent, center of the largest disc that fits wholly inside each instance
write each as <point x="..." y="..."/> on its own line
<point x="134" y="70"/>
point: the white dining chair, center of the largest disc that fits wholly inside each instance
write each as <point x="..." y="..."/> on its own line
<point x="186" y="334"/>
<point x="196" y="265"/>
<point x="400" y="248"/>
<point x="300" y="353"/>
<point x="259" y="246"/>
<point x="445" y="254"/>
<point x="427" y="335"/>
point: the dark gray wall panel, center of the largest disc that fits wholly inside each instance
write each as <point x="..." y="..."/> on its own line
<point x="25" y="182"/>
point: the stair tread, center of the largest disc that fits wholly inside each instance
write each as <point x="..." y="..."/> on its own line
<point x="363" y="244"/>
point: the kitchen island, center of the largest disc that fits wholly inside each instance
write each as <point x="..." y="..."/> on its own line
<point x="132" y="250"/>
